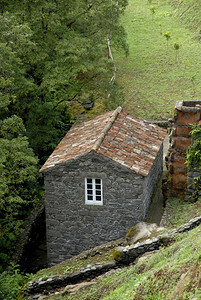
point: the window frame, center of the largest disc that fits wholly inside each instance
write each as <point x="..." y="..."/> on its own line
<point x="93" y="191"/>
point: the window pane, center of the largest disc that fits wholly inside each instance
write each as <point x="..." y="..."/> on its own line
<point x="93" y="191"/>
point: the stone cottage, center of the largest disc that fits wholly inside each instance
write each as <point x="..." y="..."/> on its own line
<point x="99" y="182"/>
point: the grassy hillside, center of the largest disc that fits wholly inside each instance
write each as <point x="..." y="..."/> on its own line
<point x="190" y="13"/>
<point x="156" y="74"/>
<point x="171" y="273"/>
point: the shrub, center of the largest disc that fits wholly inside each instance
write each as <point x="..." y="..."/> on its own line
<point x="12" y="282"/>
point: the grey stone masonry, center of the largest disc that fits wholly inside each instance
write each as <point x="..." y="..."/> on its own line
<point x="151" y="180"/>
<point x="72" y="226"/>
<point x="193" y="191"/>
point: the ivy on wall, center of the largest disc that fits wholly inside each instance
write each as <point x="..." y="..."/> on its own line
<point x="194" y="151"/>
<point x="193" y="160"/>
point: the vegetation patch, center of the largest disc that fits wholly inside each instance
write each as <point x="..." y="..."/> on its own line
<point x="76" y="263"/>
<point x="179" y="212"/>
<point x="194" y="151"/>
<point x="194" y="163"/>
<point x="190" y="14"/>
<point x="162" y="65"/>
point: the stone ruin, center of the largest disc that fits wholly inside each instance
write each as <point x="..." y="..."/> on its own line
<point x="185" y="114"/>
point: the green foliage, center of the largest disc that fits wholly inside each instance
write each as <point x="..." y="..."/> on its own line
<point x="19" y="183"/>
<point x="153" y="10"/>
<point x="11" y="283"/>
<point x="115" y="97"/>
<point x="167" y="35"/>
<point x="176" y="46"/>
<point x="194" y="151"/>
<point x="193" y="158"/>
<point x="54" y="53"/>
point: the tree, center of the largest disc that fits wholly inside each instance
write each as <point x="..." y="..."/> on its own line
<point x="65" y="59"/>
<point x="19" y="184"/>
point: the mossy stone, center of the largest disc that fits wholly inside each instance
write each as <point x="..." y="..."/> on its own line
<point x="131" y="232"/>
<point x="116" y="254"/>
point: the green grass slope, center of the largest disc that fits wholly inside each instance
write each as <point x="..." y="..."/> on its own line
<point x="156" y="74"/>
<point x="190" y="13"/>
<point x="171" y="273"/>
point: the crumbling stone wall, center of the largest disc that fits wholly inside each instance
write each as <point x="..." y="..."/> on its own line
<point x="185" y="114"/>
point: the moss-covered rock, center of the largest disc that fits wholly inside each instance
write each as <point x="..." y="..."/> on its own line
<point x="117" y="253"/>
<point x="142" y="231"/>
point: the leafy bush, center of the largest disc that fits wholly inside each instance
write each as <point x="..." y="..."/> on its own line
<point x="194" y="159"/>
<point x="194" y="151"/>
<point x="19" y="184"/>
<point x="11" y="283"/>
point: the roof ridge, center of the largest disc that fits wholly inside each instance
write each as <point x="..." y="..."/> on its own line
<point x="113" y="117"/>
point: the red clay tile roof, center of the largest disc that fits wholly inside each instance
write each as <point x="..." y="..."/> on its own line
<point x="128" y="140"/>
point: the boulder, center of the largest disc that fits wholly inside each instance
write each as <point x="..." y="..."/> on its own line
<point x="142" y="231"/>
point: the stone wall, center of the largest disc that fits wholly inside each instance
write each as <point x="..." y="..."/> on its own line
<point x="72" y="226"/>
<point x="193" y="191"/>
<point x="152" y="179"/>
<point x="186" y="113"/>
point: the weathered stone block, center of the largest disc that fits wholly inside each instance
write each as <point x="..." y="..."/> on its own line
<point x="182" y="131"/>
<point x="186" y="118"/>
<point x="181" y="143"/>
<point x="178" y="181"/>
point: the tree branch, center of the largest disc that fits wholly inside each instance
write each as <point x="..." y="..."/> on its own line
<point x="63" y="100"/>
<point x="69" y="25"/>
<point x="111" y="57"/>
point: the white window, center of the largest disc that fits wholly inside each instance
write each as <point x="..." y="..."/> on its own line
<point x="93" y="191"/>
